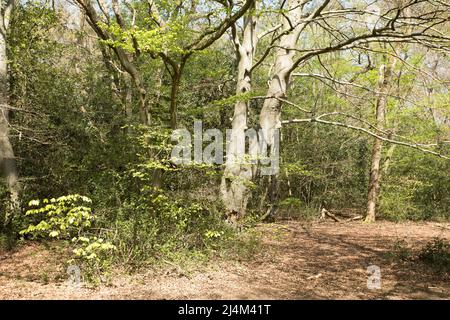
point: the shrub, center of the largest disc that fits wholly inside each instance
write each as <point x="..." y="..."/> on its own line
<point x="66" y="218"/>
<point x="158" y="225"/>
<point x="436" y="254"/>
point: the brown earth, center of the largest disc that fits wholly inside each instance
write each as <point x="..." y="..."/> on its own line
<point x="298" y="261"/>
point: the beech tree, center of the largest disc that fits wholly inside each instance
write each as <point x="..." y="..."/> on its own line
<point x="239" y="170"/>
<point x="393" y="23"/>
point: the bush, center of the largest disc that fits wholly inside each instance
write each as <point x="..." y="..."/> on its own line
<point x="436" y="254"/>
<point x="66" y="218"/>
<point x="157" y="225"/>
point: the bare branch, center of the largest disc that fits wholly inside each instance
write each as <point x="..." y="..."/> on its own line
<point x="361" y="129"/>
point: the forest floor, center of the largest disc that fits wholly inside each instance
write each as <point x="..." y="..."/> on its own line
<point x="297" y="260"/>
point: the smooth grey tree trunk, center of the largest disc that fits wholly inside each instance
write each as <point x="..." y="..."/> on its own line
<point x="239" y="171"/>
<point x="270" y="116"/>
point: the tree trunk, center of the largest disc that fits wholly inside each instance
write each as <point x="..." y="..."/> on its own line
<point x="125" y="59"/>
<point x="238" y="170"/>
<point x="175" y="89"/>
<point x="8" y="164"/>
<point x="270" y="116"/>
<point x="385" y="76"/>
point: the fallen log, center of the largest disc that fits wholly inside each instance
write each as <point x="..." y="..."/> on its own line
<point x="355" y="218"/>
<point x="325" y="213"/>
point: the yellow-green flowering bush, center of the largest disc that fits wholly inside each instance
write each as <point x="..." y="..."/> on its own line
<point x="69" y="217"/>
<point x="61" y="218"/>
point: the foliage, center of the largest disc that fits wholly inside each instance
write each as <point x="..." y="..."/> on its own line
<point x="154" y="40"/>
<point x="75" y="129"/>
<point x="62" y="217"/>
<point x="67" y="217"/>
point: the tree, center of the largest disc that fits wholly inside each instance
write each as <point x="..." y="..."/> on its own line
<point x="239" y="170"/>
<point x="7" y="159"/>
<point x="384" y="84"/>
<point x="157" y="36"/>
<point x="398" y="23"/>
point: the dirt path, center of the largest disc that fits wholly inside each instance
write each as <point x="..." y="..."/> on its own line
<point x="318" y="261"/>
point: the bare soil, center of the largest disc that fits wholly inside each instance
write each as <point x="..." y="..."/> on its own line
<point x="297" y="261"/>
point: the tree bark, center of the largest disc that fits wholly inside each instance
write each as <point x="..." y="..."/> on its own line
<point x="174" y="91"/>
<point x="270" y="116"/>
<point x="384" y="83"/>
<point x="238" y="171"/>
<point x="8" y="164"/>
